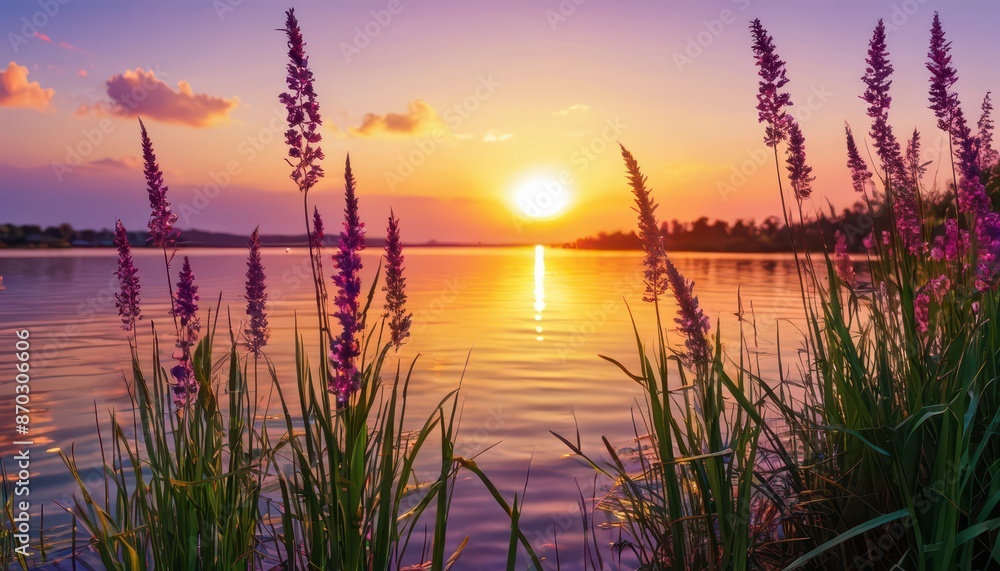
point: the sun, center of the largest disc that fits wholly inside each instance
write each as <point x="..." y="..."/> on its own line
<point x="541" y="198"/>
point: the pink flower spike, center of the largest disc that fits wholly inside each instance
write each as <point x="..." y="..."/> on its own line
<point x="395" y="285"/>
<point x="944" y="102"/>
<point x="877" y="80"/>
<point x="649" y="232"/>
<point x="186" y="310"/>
<point x="843" y="264"/>
<point x="256" y="332"/>
<point x="127" y="301"/>
<point x="161" y="220"/>
<point x="914" y="168"/>
<point x="345" y="348"/>
<point x="799" y="173"/>
<point x="771" y="101"/>
<point x="303" y="111"/>
<point x="316" y="236"/>
<point x="860" y="175"/>
<point x="988" y="156"/>
<point x="661" y="273"/>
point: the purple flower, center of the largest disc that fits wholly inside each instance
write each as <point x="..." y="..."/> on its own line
<point x="860" y="174"/>
<point x="186" y="310"/>
<point x="256" y="296"/>
<point x="186" y="306"/>
<point x="771" y="101"/>
<point x="948" y="109"/>
<point x="649" y="232"/>
<point x="972" y="196"/>
<point x="694" y="324"/>
<point x="988" y="156"/>
<point x="185" y="384"/>
<point x="316" y="236"/>
<point x="877" y="96"/>
<point x="913" y="165"/>
<point x="395" y="285"/>
<point x="988" y="240"/>
<point x="944" y="102"/>
<point x="661" y="272"/>
<point x="303" y="111"/>
<point x="843" y="264"/>
<point x="799" y="173"/>
<point x="869" y="241"/>
<point x="127" y="301"/>
<point x="161" y="221"/>
<point x="345" y="348"/>
<point x="935" y="289"/>
<point x="904" y="199"/>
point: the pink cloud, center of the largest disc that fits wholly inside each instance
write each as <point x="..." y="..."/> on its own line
<point x="419" y="120"/>
<point x="140" y="93"/>
<point x="69" y="46"/>
<point x="82" y="73"/>
<point x="17" y="91"/>
<point x="43" y="37"/>
<point x="130" y="163"/>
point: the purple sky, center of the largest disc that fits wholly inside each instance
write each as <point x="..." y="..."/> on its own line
<point x="451" y="111"/>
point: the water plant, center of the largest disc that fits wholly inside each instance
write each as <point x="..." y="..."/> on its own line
<point x="183" y="479"/>
<point x="883" y="453"/>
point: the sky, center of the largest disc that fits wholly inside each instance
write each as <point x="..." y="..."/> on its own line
<point x="487" y="121"/>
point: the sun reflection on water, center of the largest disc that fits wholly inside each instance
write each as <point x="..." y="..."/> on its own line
<point x="539" y="289"/>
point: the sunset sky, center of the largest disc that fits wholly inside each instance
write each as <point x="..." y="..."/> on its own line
<point x="450" y="109"/>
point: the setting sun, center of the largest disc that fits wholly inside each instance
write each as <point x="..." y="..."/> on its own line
<point x="541" y="198"/>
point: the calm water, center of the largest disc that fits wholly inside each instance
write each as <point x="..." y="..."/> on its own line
<point x="531" y="322"/>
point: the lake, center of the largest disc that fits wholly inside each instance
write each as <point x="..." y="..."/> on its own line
<point x="531" y="321"/>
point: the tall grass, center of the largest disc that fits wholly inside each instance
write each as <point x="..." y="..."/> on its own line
<point x="688" y="498"/>
<point x="884" y="453"/>
<point x="350" y="491"/>
<point x="181" y="491"/>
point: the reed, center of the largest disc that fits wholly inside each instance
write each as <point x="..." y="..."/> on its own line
<point x="885" y="453"/>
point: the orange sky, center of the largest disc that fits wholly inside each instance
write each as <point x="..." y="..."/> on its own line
<point x="449" y="109"/>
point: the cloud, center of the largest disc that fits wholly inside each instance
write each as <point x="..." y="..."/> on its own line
<point x="420" y="120"/>
<point x="492" y="137"/>
<point x="17" y="91"/>
<point x="572" y="109"/>
<point x="140" y="93"/>
<point x="82" y="73"/>
<point x="129" y="163"/>
<point x="43" y="37"/>
<point x="69" y="46"/>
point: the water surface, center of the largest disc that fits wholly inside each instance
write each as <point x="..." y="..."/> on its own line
<point x="530" y="322"/>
